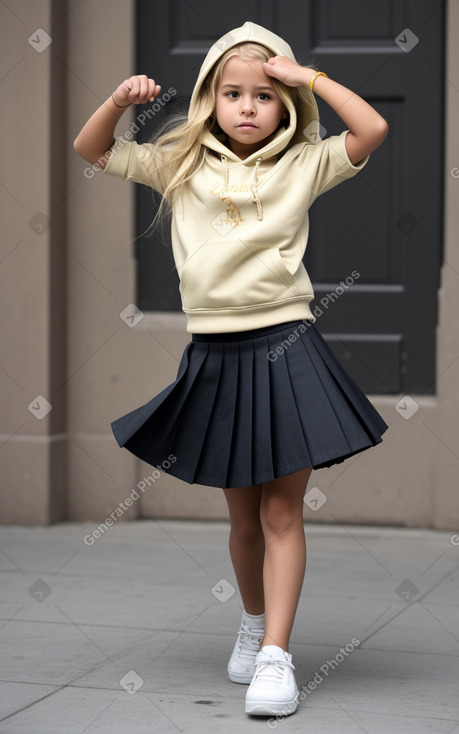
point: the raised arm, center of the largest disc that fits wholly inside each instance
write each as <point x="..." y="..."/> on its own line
<point x="367" y="128"/>
<point x="96" y="137"/>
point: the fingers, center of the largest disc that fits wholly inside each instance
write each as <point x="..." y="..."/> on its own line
<point x="142" y="89"/>
<point x="271" y="65"/>
<point x="285" y="70"/>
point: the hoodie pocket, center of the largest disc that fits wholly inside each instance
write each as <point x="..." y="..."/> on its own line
<point x="281" y="268"/>
<point x="235" y="275"/>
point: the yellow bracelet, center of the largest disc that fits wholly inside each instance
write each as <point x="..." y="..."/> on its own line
<point x="318" y="73"/>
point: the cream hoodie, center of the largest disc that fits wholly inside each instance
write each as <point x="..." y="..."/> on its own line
<point x="240" y="230"/>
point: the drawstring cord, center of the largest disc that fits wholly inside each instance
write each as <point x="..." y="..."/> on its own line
<point x="253" y="188"/>
<point x="225" y="161"/>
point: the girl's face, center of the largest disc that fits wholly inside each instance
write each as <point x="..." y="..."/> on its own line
<point x="247" y="107"/>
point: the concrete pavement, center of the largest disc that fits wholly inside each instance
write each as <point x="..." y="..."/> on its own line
<point x="130" y="630"/>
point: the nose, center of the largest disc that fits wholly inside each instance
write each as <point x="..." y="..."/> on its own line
<point x="247" y="106"/>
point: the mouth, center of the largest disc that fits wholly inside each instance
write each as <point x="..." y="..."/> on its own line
<point x="247" y="125"/>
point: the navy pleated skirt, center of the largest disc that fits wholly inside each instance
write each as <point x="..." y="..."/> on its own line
<point x="251" y="406"/>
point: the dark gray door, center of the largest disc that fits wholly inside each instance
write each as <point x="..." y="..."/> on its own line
<point x="374" y="250"/>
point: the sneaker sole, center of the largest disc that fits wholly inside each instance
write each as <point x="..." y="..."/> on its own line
<point x="268" y="708"/>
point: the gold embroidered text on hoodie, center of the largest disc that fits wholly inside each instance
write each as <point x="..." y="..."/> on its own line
<point x="240" y="231"/>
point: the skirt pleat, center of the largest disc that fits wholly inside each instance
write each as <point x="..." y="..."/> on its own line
<point x="262" y="424"/>
<point x="249" y="407"/>
<point x="215" y="438"/>
<point x="160" y="417"/>
<point x="290" y="443"/>
<point x="240" y="458"/>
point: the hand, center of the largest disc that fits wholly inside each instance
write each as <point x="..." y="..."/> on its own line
<point x="288" y="71"/>
<point x="136" y="90"/>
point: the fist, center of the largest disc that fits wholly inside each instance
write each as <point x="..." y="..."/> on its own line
<point x="136" y="90"/>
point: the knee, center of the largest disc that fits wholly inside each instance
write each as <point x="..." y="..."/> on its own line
<point x="278" y="515"/>
<point x="247" y="530"/>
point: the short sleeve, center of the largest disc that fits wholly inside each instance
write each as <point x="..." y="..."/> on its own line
<point x="327" y="163"/>
<point x="138" y="162"/>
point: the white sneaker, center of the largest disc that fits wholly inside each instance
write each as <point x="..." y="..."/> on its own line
<point x="273" y="689"/>
<point x="241" y="666"/>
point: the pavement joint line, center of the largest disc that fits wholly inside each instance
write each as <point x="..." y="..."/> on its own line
<point x="409" y="604"/>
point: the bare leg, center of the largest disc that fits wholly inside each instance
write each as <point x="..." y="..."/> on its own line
<point x="281" y="514"/>
<point x="247" y="544"/>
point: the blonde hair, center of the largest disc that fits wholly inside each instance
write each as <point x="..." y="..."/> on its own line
<point x="177" y="142"/>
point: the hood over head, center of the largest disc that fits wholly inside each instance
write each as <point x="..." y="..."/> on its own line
<point x="306" y="118"/>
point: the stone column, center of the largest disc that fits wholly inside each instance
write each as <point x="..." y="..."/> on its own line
<point x="33" y="264"/>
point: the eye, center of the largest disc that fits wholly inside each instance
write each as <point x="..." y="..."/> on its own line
<point x="230" y="93"/>
<point x="266" y="96"/>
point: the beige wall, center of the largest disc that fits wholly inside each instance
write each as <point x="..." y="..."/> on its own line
<point x="63" y="289"/>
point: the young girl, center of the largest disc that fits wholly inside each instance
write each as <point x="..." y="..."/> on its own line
<point x="259" y="399"/>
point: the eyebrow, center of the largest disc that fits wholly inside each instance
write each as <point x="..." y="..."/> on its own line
<point x="238" y="86"/>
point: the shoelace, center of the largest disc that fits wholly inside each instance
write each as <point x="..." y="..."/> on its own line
<point x="271" y="668"/>
<point x="249" y="643"/>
